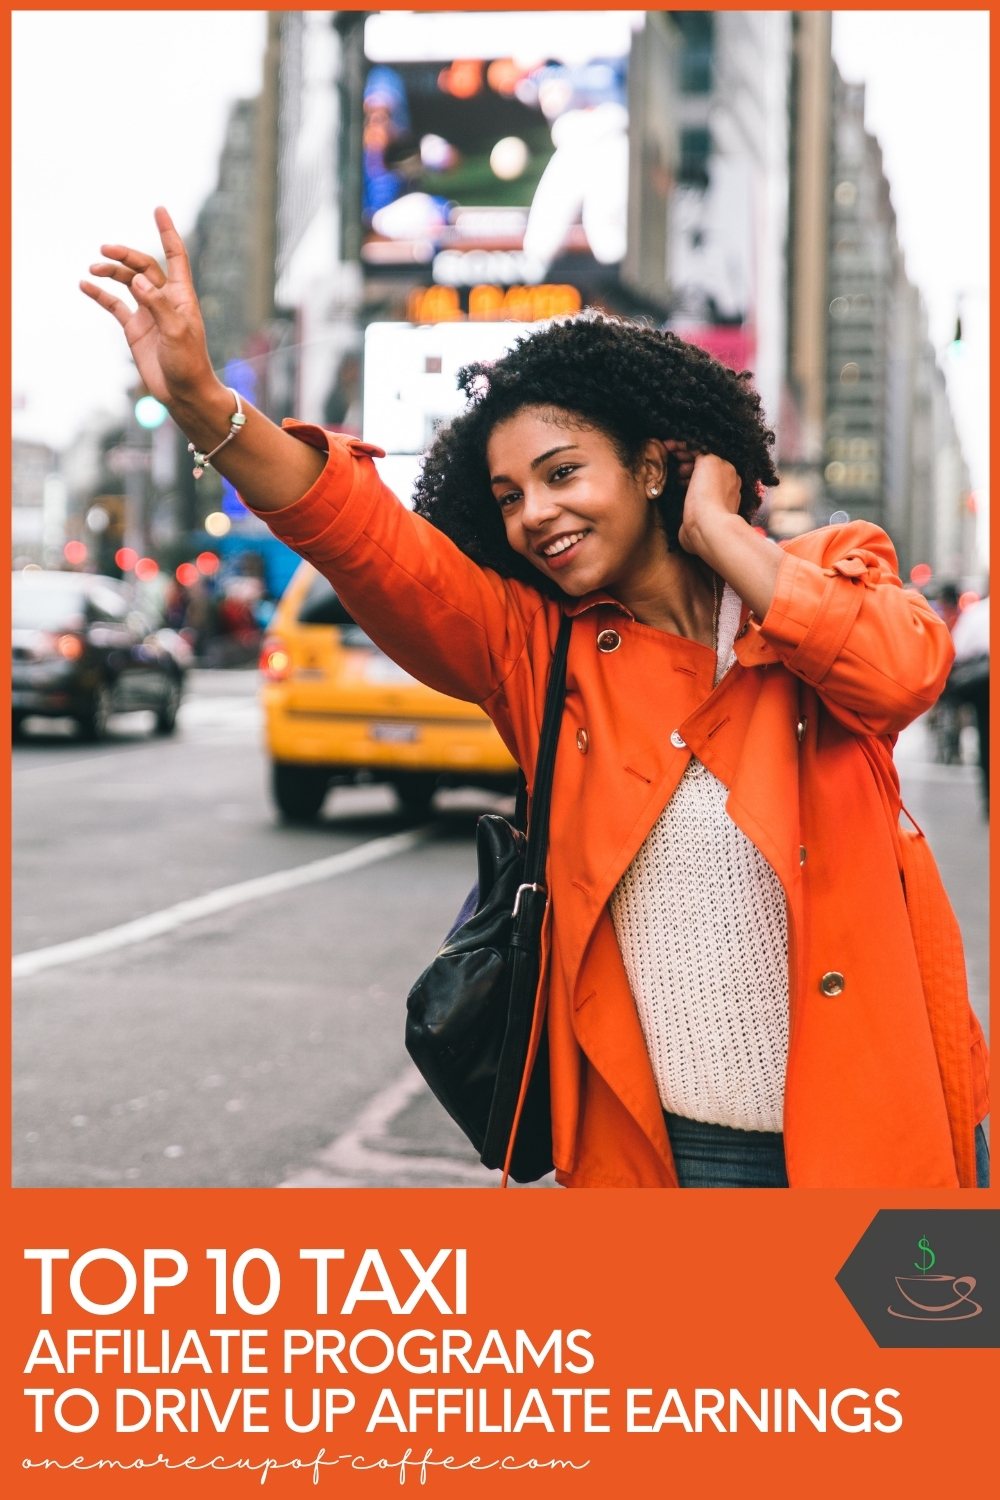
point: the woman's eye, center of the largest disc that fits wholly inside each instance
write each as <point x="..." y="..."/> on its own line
<point x="563" y="470"/>
<point x="505" y="501"/>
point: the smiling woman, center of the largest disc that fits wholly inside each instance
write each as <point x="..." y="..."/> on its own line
<point x="602" y="375"/>
<point x="714" y="1009"/>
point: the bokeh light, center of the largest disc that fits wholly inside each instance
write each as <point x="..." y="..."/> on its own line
<point x="150" y="413"/>
<point x="509" y="158"/>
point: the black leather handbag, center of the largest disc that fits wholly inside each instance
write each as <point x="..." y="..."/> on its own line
<point x="469" y="1014"/>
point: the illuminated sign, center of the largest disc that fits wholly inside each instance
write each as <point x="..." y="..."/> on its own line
<point x="485" y="303"/>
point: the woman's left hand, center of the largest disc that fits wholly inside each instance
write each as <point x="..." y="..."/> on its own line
<point x="713" y="495"/>
<point x="713" y="529"/>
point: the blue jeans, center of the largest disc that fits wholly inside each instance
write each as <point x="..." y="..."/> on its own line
<point x="709" y="1156"/>
<point x="712" y="1156"/>
<point x="982" y="1159"/>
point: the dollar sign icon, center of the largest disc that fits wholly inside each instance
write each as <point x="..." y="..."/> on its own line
<point x="925" y="1251"/>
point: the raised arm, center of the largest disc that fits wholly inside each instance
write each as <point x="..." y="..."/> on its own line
<point x="829" y="605"/>
<point x="166" y="335"/>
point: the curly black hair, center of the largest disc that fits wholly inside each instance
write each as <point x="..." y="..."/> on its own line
<point x="617" y="375"/>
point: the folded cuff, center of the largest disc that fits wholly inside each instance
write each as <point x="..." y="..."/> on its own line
<point x="324" y="520"/>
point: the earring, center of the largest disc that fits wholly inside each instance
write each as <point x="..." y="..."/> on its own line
<point x="655" y="490"/>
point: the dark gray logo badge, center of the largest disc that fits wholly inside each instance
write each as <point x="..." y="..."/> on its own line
<point x="928" y="1278"/>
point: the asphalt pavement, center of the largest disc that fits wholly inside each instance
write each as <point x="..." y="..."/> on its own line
<point x="204" y="997"/>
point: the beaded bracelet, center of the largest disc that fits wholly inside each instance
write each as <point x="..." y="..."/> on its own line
<point x="236" y="422"/>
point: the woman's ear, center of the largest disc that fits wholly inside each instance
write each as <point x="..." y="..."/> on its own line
<point x="653" y="468"/>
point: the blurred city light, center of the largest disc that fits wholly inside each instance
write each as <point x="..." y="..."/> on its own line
<point x="75" y="553"/>
<point x="70" y="647"/>
<point x="920" y="574"/>
<point x="207" y="563"/>
<point x="217" y="524"/>
<point x="150" y="413"/>
<point x="969" y="597"/>
<point x="186" y="574"/>
<point x="275" y="662"/>
<point x="126" y="559"/>
<point x="146" y="569"/>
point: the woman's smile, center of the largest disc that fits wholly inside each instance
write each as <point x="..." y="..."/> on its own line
<point x="571" y="506"/>
<point x="557" y="553"/>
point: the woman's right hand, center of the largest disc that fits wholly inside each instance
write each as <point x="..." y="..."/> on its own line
<point x="165" y="331"/>
<point x="269" y="468"/>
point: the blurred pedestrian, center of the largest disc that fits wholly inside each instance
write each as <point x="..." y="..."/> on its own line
<point x="945" y="719"/>
<point x="732" y="995"/>
<point x="946" y="604"/>
<point x="969" y="680"/>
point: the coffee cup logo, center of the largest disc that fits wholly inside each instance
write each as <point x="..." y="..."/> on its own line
<point x="937" y="1298"/>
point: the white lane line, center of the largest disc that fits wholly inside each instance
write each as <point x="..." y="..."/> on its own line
<point x="199" y="726"/>
<point x="65" y="767"/>
<point x="222" y="899"/>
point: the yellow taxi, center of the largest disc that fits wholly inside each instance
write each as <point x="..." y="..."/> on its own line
<point x="338" y="710"/>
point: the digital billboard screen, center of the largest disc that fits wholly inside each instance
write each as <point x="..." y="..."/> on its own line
<point x="495" y="157"/>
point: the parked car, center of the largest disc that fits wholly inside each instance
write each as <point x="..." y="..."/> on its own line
<point x="337" y="710"/>
<point x="81" y="650"/>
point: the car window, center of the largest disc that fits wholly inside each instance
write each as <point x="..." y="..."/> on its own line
<point x="38" y="604"/>
<point x="321" y="606"/>
<point x="107" y="604"/>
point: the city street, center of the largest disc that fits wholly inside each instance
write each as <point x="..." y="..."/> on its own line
<point x="206" y="998"/>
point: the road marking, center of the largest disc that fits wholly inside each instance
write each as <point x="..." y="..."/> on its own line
<point x="202" y="721"/>
<point x="223" y="899"/>
<point x="64" y="768"/>
<point x="363" y="1155"/>
<point x="354" y="1157"/>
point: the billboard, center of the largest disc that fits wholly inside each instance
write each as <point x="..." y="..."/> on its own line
<point x="493" y="159"/>
<point x="411" y="386"/>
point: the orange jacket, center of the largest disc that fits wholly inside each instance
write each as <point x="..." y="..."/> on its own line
<point x="800" y="731"/>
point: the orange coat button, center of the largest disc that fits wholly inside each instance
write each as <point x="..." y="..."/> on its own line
<point x="582" y="741"/>
<point x="832" y="983"/>
<point x="678" y="741"/>
<point x="608" y="640"/>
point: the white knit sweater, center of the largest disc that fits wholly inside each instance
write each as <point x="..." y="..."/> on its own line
<point x="701" y="923"/>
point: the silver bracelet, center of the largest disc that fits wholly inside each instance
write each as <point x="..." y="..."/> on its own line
<point x="237" y="421"/>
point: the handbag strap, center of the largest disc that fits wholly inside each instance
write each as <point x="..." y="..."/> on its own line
<point x="555" y="697"/>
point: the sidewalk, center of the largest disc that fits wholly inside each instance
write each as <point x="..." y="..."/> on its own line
<point x="945" y="801"/>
